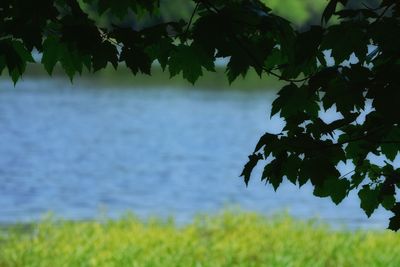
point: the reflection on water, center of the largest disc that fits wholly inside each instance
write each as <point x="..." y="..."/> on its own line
<point x="73" y="150"/>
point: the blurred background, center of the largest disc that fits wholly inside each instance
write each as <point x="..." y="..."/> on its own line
<point x="109" y="142"/>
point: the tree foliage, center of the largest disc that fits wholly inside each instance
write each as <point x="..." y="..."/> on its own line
<point x="249" y="35"/>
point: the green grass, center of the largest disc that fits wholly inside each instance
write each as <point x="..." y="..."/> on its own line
<point x="229" y="239"/>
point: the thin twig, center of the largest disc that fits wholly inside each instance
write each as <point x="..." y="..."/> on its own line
<point x="383" y="13"/>
<point x="371" y="8"/>
<point x="191" y="19"/>
<point x="344" y="175"/>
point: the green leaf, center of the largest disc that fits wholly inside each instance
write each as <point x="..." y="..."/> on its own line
<point x="282" y="31"/>
<point x="51" y="53"/>
<point x="104" y="53"/>
<point x="357" y="178"/>
<point x="273" y="172"/>
<point x="388" y="202"/>
<point x="161" y="51"/>
<point x="394" y="222"/>
<point x="190" y="60"/>
<point x="207" y="34"/>
<point x="306" y="51"/>
<point x="265" y="140"/>
<point x="15" y="56"/>
<point x="391" y="143"/>
<point x="337" y="188"/>
<point x="71" y="61"/>
<point x="238" y="65"/>
<point x="248" y="168"/>
<point x="275" y="58"/>
<point x="318" y="170"/>
<point x="339" y="93"/>
<point x="386" y="34"/>
<point x="15" y="74"/>
<point x="291" y="168"/>
<point x="345" y="39"/>
<point x="386" y="100"/>
<point x="248" y="52"/>
<point x="358" y="149"/>
<point x="23" y="53"/>
<point x="369" y="199"/>
<point x="294" y="100"/>
<point x="136" y="60"/>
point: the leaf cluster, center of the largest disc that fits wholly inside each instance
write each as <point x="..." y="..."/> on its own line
<point x="361" y="85"/>
<point x="364" y="44"/>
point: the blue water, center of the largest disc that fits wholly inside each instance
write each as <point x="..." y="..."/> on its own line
<point x="80" y="151"/>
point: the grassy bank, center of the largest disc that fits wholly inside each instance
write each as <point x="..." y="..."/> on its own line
<point x="225" y="240"/>
<point x="124" y="78"/>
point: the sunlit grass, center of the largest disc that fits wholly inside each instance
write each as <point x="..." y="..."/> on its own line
<point x="229" y="239"/>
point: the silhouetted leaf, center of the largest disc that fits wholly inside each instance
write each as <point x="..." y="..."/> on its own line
<point x="291" y="168"/>
<point x="394" y="222"/>
<point x="273" y="172"/>
<point x="189" y="60"/>
<point x="15" y="56"/>
<point x="248" y="168"/>
<point x="369" y="199"/>
<point x="293" y="100"/>
<point x="161" y="51"/>
<point x="238" y="65"/>
<point x="136" y="60"/>
<point x="265" y="140"/>
<point x="391" y="143"/>
<point x="51" y="53"/>
<point x="337" y="189"/>
<point x="388" y="202"/>
<point x="104" y="53"/>
<point x="386" y="34"/>
<point x="71" y="61"/>
<point x="345" y="39"/>
<point x="306" y="49"/>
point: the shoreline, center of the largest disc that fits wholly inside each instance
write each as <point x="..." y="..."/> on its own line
<point x="122" y="77"/>
<point x="227" y="239"/>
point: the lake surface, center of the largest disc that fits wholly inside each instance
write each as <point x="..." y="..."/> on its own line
<point x="80" y="151"/>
